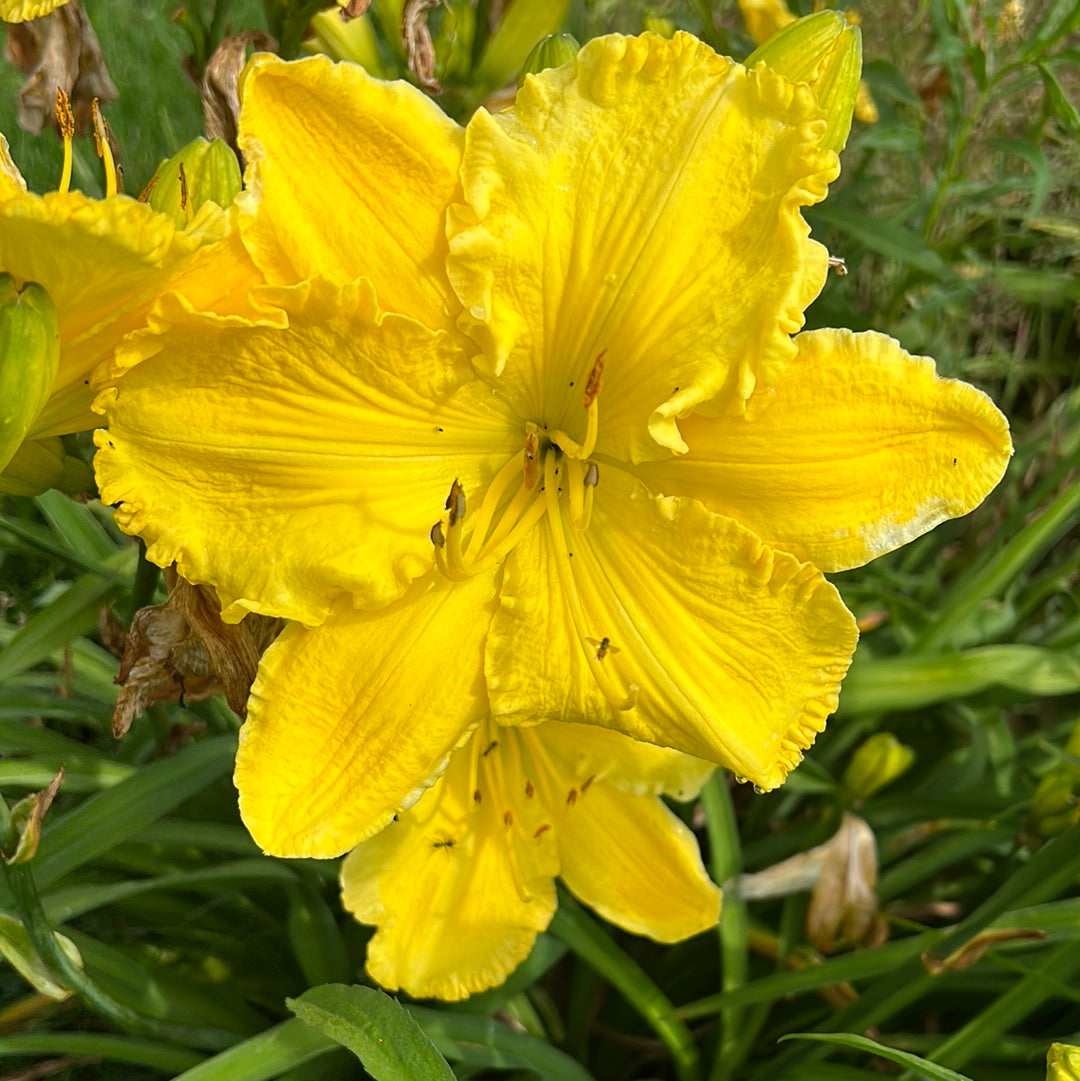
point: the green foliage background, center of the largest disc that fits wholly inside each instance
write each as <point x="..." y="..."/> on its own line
<point x="957" y="214"/>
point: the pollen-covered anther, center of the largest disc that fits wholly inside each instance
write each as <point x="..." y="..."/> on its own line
<point x="595" y="383"/>
<point x="438" y="537"/>
<point x="541" y="830"/>
<point x="529" y="790"/>
<point x="65" y="123"/>
<point x="104" y="149"/>
<point x="530" y="471"/>
<point x="571" y="797"/>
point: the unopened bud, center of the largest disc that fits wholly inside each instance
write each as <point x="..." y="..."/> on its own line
<point x="29" y="359"/>
<point x="1054" y="806"/>
<point x="878" y="762"/>
<point x="659" y="25"/>
<point x="41" y="464"/>
<point x="1063" y="1062"/>
<point x="549" y="52"/>
<point x="204" y="171"/>
<point x="825" y="51"/>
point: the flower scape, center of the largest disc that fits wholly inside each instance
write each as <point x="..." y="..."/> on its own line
<point x="523" y="438"/>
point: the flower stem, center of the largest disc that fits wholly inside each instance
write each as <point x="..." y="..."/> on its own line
<point x="725" y="863"/>
<point x="572" y="926"/>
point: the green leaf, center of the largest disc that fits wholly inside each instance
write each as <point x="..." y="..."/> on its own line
<point x="265" y="1056"/>
<point x="375" y="1028"/>
<point x="108" y="818"/>
<point x="921" y="1066"/>
<point x="74" y="612"/>
<point x="888" y="238"/>
<point x="1060" y="103"/>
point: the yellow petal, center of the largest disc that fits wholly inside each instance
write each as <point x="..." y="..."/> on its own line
<point x="349" y="176"/>
<point x="347" y="722"/>
<point x="105" y="263"/>
<point x="718" y="646"/>
<point x="763" y="18"/>
<point x="637" y="865"/>
<point x="286" y="466"/>
<point x="643" y="203"/>
<point x="858" y="449"/>
<point x="11" y="180"/>
<point x="20" y="11"/>
<point x="459" y="893"/>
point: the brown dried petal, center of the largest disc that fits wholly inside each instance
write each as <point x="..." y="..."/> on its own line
<point x="416" y="38"/>
<point x="844" y="898"/>
<point x="219" y="90"/>
<point x="58" y="50"/>
<point x="181" y="650"/>
<point x="971" y="952"/>
<point x="355" y="8"/>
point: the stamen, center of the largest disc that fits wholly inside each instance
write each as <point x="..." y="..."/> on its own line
<point x="185" y="202"/>
<point x="496" y="490"/>
<point x="438" y="538"/>
<point x="566" y="578"/>
<point x="65" y="122"/>
<point x="593" y="385"/>
<point x="531" y="470"/>
<point x="104" y="150"/>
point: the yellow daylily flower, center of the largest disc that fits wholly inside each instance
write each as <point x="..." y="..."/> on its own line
<point x="556" y="456"/>
<point x="106" y="266"/>
<point x="461" y="884"/>
<point x="20" y="11"/>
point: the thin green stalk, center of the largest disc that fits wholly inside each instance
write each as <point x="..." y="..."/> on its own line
<point x="725" y="863"/>
<point x="983" y="1031"/>
<point x="20" y="882"/>
<point x="992" y="578"/>
<point x="594" y="946"/>
<point x="158" y="1056"/>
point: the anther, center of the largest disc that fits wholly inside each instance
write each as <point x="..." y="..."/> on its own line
<point x="592" y="475"/>
<point x="838" y="264"/>
<point x="508" y="818"/>
<point x="594" y="384"/>
<point x="438" y="537"/>
<point x="529" y="790"/>
<point x="541" y="830"/>
<point x="104" y="148"/>
<point x="571" y="797"/>
<point x="65" y="122"/>
<point x="531" y="466"/>
<point x="455" y="503"/>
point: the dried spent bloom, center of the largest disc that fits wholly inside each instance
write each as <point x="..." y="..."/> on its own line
<point x="461" y="883"/>
<point x="537" y="442"/>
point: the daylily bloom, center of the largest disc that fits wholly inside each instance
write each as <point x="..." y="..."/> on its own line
<point x="18" y="11"/>
<point x="108" y="266"/>
<point x="461" y="884"/>
<point x="537" y="443"/>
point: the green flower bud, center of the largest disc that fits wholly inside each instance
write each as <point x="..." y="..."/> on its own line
<point x="1063" y="1062"/>
<point x="41" y="464"/>
<point x="825" y="51"/>
<point x="657" y="25"/>
<point x="1054" y="806"/>
<point x="354" y="40"/>
<point x="29" y="359"/>
<point x="878" y="762"/>
<point x="550" y="52"/>
<point x="202" y="172"/>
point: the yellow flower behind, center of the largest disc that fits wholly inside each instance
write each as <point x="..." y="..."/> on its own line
<point x="461" y="884"/>
<point x="540" y="441"/>
<point x="106" y="265"/>
<point x="19" y="11"/>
